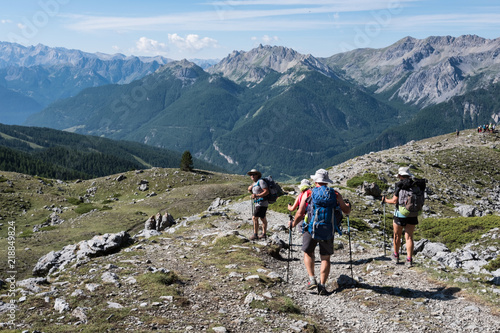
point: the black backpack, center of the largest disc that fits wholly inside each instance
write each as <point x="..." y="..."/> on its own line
<point x="275" y="190"/>
<point x="411" y="197"/>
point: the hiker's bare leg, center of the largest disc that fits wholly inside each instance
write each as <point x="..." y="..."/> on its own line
<point x="255" y="220"/>
<point x="309" y="263"/>
<point x="264" y="225"/>
<point x="398" y="230"/>
<point x="325" y="269"/>
<point x="409" y="229"/>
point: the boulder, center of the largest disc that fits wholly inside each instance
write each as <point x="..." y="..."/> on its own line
<point x="97" y="246"/>
<point x="466" y="210"/>
<point x="431" y="249"/>
<point x="371" y="189"/>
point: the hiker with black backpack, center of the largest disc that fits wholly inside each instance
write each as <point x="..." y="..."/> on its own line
<point x="259" y="190"/>
<point x="321" y="205"/>
<point x="409" y="199"/>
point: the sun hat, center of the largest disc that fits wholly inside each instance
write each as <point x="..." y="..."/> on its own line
<point x="404" y="171"/>
<point x="321" y="176"/>
<point x="254" y="172"/>
<point x="304" y="185"/>
<point x="305" y="182"/>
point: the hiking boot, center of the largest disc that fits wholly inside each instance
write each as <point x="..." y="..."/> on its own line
<point x="254" y="237"/>
<point x="395" y="256"/>
<point x="409" y="262"/>
<point x="262" y="236"/>
<point x="322" y="289"/>
<point x="312" y="285"/>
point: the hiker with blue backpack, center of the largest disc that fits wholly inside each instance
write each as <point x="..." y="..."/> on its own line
<point x="409" y="200"/>
<point x="320" y="227"/>
<point x="259" y="190"/>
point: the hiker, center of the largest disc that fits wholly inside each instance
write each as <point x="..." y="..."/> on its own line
<point x="400" y="221"/>
<point x="305" y="191"/>
<point x="309" y="242"/>
<point x="259" y="192"/>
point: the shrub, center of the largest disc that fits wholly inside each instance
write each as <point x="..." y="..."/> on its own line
<point x="368" y="177"/>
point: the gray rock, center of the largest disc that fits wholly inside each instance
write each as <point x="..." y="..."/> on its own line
<point x="80" y="313"/>
<point x="109" y="277"/>
<point x="431" y="249"/>
<point x="371" y="189"/>
<point x="466" y="210"/>
<point x="97" y="246"/>
<point x="61" y="305"/>
<point x="32" y="284"/>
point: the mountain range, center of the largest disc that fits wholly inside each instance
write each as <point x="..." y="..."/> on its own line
<point x="287" y="113"/>
<point x="32" y="77"/>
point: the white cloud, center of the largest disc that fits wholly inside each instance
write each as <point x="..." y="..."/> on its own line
<point x="21" y="26"/>
<point x="192" y="42"/>
<point x="6" y="21"/>
<point x="150" y="46"/>
<point x="268" y="39"/>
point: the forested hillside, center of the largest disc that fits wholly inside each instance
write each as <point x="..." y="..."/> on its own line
<point x="62" y="155"/>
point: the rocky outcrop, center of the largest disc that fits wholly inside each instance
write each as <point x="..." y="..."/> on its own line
<point x="80" y="252"/>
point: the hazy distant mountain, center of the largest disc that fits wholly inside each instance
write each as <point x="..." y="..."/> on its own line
<point x="423" y="71"/>
<point x="15" y="107"/>
<point x="47" y="74"/>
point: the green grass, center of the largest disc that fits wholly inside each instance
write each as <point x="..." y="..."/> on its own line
<point x="356" y="181"/>
<point x="456" y="232"/>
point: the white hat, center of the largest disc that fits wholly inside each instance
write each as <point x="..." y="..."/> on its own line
<point x="321" y="176"/>
<point x="305" y="182"/>
<point x="404" y="171"/>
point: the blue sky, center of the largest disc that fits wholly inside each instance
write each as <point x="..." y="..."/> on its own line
<point x="214" y="28"/>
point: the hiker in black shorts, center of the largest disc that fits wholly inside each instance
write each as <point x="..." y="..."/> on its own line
<point x="401" y="222"/>
<point x="259" y="191"/>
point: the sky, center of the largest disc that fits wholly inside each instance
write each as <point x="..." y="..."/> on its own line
<point x="212" y="29"/>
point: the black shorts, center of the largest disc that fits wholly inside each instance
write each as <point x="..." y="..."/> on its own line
<point x="404" y="221"/>
<point x="260" y="211"/>
<point x="309" y="244"/>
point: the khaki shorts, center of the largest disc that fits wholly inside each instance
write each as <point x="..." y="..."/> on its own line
<point x="309" y="244"/>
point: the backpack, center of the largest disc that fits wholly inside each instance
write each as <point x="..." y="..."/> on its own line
<point x="321" y="213"/>
<point x="275" y="190"/>
<point x="411" y="196"/>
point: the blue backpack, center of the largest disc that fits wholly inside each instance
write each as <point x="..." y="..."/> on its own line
<point x="321" y="216"/>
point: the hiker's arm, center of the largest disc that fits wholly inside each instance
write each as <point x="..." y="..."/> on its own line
<point x="346" y="208"/>
<point x="295" y="204"/>
<point x="301" y="212"/>
<point x="265" y="191"/>
<point x="393" y="200"/>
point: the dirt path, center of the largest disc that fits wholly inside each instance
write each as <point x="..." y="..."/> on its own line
<point x="386" y="298"/>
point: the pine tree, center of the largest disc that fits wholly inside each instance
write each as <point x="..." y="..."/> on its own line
<point x="187" y="161"/>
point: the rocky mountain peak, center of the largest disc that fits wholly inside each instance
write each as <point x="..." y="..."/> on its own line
<point x="254" y="65"/>
<point x="414" y="67"/>
<point x="182" y="70"/>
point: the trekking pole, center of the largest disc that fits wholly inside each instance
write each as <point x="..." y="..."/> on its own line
<point x="289" y="247"/>
<point x="350" y="251"/>
<point x="384" y="228"/>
